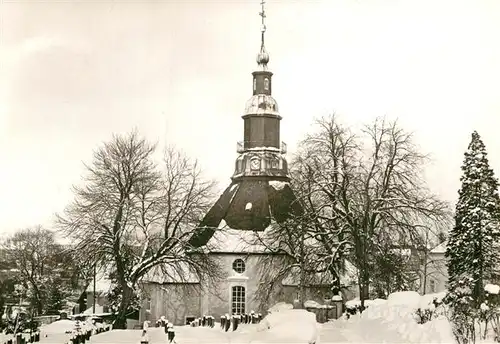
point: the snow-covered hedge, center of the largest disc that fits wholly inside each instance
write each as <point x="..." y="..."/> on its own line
<point x="353" y="307"/>
<point x="391" y="321"/>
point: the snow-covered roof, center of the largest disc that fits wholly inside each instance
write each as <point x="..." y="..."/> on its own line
<point x="261" y="104"/>
<point x="230" y="240"/>
<point x="102" y="285"/>
<point x="439" y="249"/>
<point x="178" y="273"/>
<point x="247" y="205"/>
<point x="98" y="310"/>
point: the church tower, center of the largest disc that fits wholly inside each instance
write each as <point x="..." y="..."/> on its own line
<point x="259" y="192"/>
<point x="261" y="152"/>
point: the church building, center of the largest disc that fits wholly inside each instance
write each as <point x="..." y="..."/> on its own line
<point x="258" y="197"/>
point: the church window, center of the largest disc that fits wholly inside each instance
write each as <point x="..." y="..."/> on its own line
<point x="254" y="84"/>
<point x="266" y="84"/>
<point x="239" y="265"/>
<point x="238" y="300"/>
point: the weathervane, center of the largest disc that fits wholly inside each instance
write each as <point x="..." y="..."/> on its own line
<point x="263" y="15"/>
<point x="263" y="56"/>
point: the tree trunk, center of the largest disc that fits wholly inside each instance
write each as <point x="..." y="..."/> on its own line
<point x="302" y="282"/>
<point x="38" y="299"/>
<point x="121" y="318"/>
<point x="364" y="286"/>
<point x="302" y="288"/>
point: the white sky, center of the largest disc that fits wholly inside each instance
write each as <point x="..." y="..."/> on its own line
<point x="71" y="74"/>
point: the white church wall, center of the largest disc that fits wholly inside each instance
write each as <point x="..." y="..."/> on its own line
<point x="218" y="301"/>
<point x="174" y="301"/>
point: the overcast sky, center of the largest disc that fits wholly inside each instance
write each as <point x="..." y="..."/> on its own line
<point x="73" y="73"/>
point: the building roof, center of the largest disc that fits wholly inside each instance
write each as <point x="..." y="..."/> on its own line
<point x="248" y="205"/>
<point x="228" y="240"/>
<point x="165" y="274"/>
<point x="439" y="249"/>
<point x="102" y="283"/>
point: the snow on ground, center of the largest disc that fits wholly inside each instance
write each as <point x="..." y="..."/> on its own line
<point x="283" y="326"/>
<point x="356" y="302"/>
<point x="59" y="326"/>
<point x="390" y="321"/>
<point x="60" y="331"/>
<point x="280" y="306"/>
<point x="5" y="337"/>
<point x="384" y="321"/>
<point x="288" y="326"/>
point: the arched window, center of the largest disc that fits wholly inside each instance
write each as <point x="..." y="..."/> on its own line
<point x="238" y="300"/>
<point x="254" y="84"/>
<point x="266" y="84"/>
<point x="239" y="266"/>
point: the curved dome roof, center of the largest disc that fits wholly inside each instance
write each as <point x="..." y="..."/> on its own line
<point x="261" y="104"/>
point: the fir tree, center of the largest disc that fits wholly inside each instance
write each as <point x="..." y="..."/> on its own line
<point x="472" y="251"/>
<point x="56" y="297"/>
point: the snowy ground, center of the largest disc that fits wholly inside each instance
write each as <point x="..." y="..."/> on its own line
<point x="291" y="326"/>
<point x="385" y="321"/>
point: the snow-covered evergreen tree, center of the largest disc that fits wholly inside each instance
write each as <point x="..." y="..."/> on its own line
<point x="472" y="249"/>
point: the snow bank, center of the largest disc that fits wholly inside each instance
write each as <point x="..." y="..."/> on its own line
<point x="287" y="326"/>
<point x="391" y="321"/>
<point x="409" y="299"/>
<point x="357" y="302"/>
<point x="280" y="306"/>
<point x="59" y="326"/>
<point x="312" y="304"/>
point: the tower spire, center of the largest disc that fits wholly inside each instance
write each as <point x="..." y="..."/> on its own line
<point x="263" y="56"/>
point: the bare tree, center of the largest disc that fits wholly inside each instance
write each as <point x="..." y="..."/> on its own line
<point x="372" y="188"/>
<point x="132" y="216"/>
<point x="290" y="255"/>
<point x="32" y="251"/>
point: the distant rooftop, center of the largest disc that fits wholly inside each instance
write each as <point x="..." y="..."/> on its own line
<point x="441" y="248"/>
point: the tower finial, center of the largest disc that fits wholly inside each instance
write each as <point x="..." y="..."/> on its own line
<point x="263" y="56"/>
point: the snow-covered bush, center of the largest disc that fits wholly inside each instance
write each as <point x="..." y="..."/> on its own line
<point x="489" y="312"/>
<point x="431" y="309"/>
<point x="391" y="321"/>
<point x="353" y="307"/>
<point x="463" y="315"/>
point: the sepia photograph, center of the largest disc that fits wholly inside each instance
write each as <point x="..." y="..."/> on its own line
<point x="249" y="171"/>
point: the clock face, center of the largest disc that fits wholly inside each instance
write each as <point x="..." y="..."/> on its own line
<point x="255" y="164"/>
